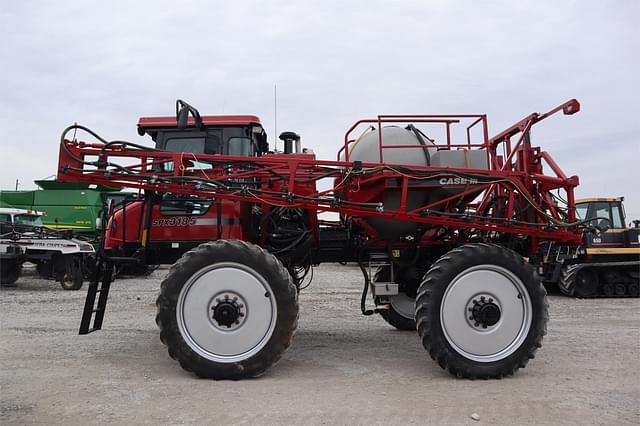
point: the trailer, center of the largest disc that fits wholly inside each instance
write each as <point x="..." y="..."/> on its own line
<point x="23" y="238"/>
<point x="65" y="205"/>
<point x="439" y="216"/>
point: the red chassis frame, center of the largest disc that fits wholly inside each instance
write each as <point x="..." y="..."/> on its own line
<point x="290" y="180"/>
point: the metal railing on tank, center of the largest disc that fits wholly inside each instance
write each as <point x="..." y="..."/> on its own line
<point x="445" y="120"/>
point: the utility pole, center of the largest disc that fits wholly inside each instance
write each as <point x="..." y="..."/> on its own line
<point x="17" y="183"/>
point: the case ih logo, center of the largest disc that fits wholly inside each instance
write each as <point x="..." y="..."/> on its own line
<point x="458" y="181"/>
<point x="175" y="221"/>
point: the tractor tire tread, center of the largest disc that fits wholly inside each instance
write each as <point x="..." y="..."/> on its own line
<point x="429" y="297"/>
<point x="286" y="325"/>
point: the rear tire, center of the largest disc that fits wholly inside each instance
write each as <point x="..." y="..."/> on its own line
<point x="10" y="272"/>
<point x="227" y="310"/>
<point x="481" y="311"/>
<point x="393" y="316"/>
<point x="71" y="277"/>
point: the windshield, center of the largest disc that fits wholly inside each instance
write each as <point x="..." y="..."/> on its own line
<point x="195" y="145"/>
<point x="240" y="146"/>
<point x="27" y="219"/>
<point x="581" y="211"/>
<point x="191" y="147"/>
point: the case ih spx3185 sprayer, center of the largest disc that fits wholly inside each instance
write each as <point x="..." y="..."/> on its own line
<point x="444" y="221"/>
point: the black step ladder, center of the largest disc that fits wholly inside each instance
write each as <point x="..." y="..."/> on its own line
<point x="100" y="284"/>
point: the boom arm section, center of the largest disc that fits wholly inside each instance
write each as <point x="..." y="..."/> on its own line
<point x="293" y="181"/>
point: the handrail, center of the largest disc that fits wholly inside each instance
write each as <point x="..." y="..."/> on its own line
<point x="445" y="119"/>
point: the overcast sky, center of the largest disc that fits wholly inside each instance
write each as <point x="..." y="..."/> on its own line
<point x="105" y="63"/>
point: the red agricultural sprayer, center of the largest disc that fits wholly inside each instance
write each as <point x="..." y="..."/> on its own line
<point x="444" y="221"/>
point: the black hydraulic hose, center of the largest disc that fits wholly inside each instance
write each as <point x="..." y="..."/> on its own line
<point x="418" y="134"/>
<point x="135" y="145"/>
<point x="104" y="147"/>
<point x="365" y="291"/>
<point x="101" y="139"/>
<point x="367" y="280"/>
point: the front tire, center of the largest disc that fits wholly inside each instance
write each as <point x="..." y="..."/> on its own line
<point x="227" y="310"/>
<point x="481" y="311"/>
<point x="71" y="275"/>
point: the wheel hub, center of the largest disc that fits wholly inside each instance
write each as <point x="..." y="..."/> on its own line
<point x="228" y="311"/>
<point x="484" y="312"/>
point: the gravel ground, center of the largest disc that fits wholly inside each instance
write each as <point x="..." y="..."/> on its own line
<point x="343" y="368"/>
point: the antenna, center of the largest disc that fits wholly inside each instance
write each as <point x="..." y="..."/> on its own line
<point x="275" y="116"/>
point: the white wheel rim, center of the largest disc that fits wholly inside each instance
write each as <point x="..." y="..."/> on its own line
<point x="197" y="301"/>
<point x="495" y="342"/>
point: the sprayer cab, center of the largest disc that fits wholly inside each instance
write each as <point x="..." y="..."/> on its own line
<point x="188" y="131"/>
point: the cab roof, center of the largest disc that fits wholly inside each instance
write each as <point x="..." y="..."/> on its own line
<point x="207" y="120"/>
<point x="14" y="211"/>
<point x="599" y="200"/>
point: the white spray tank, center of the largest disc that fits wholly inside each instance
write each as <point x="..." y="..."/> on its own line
<point x="367" y="149"/>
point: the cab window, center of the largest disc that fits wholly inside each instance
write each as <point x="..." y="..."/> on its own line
<point x="192" y="144"/>
<point x="581" y="211"/>
<point x="5" y="217"/>
<point x="175" y="206"/>
<point x="27" y="219"/>
<point x="602" y="213"/>
<point x="616" y="216"/>
<point x="195" y="145"/>
<point x="240" y="146"/>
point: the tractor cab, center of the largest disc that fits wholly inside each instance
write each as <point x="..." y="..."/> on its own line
<point x="237" y="135"/>
<point x="20" y="217"/>
<point x="608" y="215"/>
